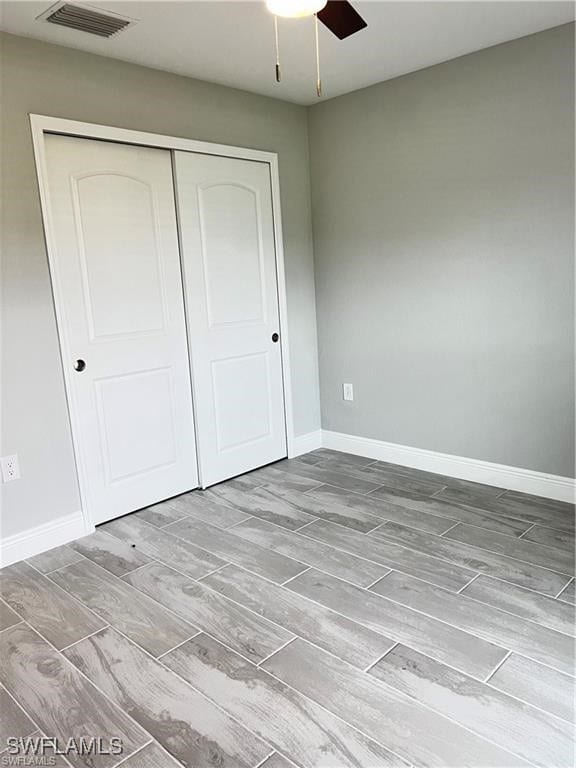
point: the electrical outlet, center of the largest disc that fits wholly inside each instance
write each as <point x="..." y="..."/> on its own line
<point x="10" y="468"/>
<point x="347" y="392"/>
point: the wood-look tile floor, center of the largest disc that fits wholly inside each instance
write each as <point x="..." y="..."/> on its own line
<point x="324" y="611"/>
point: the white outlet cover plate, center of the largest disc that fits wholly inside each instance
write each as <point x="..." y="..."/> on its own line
<point x="10" y="468"/>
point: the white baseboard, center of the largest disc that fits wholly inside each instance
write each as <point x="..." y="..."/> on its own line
<point x="42" y="538"/>
<point x="305" y="443"/>
<point x="69" y="527"/>
<point x="500" y="475"/>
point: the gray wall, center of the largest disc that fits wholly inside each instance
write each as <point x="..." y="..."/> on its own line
<point x="47" y="79"/>
<point x="443" y="237"/>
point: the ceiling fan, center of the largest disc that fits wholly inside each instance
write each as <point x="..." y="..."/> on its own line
<point x="339" y="16"/>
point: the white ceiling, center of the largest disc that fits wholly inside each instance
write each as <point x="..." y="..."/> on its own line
<point x="232" y="42"/>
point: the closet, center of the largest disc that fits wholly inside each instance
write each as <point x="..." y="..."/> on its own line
<point x="165" y="284"/>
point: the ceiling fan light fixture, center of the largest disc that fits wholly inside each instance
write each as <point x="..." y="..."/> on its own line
<point x="295" y="9"/>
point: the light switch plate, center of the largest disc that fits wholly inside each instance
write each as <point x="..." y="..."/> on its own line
<point x="347" y="392"/>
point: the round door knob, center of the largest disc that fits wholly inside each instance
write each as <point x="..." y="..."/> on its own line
<point x="275" y="337"/>
<point x="79" y="365"/>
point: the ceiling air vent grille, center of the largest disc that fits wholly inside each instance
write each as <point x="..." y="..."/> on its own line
<point x="86" y="19"/>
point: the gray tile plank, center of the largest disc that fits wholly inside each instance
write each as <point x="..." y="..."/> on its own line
<point x="204" y="515"/>
<point x="54" y="558"/>
<point x="241" y="483"/>
<point x="433" y="505"/>
<point x="251" y="635"/>
<point x="62" y="702"/>
<point x="8" y="617"/>
<point x="538" y="685"/>
<point x="308" y="458"/>
<point x="479" y="489"/>
<point x="391" y="555"/>
<point x="567" y="595"/>
<point x="530" y="509"/>
<point x="402" y="469"/>
<point x="54" y="614"/>
<point x="162" y="545"/>
<point x="110" y="553"/>
<point x="540" y="502"/>
<point x="383" y="476"/>
<point x="529" y="733"/>
<point x="382" y="712"/>
<point x="349" y="458"/>
<point x="336" y="477"/>
<point x="481" y="560"/>
<point x="438" y="639"/>
<point x="151" y="756"/>
<point x="416" y="474"/>
<point x="382" y="510"/>
<point x="264" y="504"/>
<point x="201" y="506"/>
<point x="493" y="625"/>
<point x="227" y="546"/>
<point x="554" y="559"/>
<point x="524" y="603"/>
<point x="143" y="620"/>
<point x="14" y="722"/>
<point x="160" y="514"/>
<point x="379" y="475"/>
<point x="463" y="495"/>
<point x="277" y="761"/>
<point x="388" y="493"/>
<point x="183" y="721"/>
<point x="344" y="638"/>
<point x="314" y="507"/>
<point x="551" y="538"/>
<point x="445" y="480"/>
<point x="312" y="552"/>
<point x="293" y="724"/>
<point x="272" y="476"/>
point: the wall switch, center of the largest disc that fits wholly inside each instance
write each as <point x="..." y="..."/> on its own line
<point x="347" y="392"/>
<point x="10" y="468"/>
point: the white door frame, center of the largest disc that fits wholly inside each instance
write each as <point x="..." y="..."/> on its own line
<point x="42" y="125"/>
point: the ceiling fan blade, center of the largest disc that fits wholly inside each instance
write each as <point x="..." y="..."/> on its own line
<point x="341" y="18"/>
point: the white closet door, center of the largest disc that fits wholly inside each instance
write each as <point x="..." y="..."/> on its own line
<point x="227" y="236"/>
<point x="118" y="283"/>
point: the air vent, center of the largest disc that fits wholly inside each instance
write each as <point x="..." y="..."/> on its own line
<point x="95" y="21"/>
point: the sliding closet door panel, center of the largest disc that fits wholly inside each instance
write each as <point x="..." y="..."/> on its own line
<point x="227" y="235"/>
<point x="117" y="268"/>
